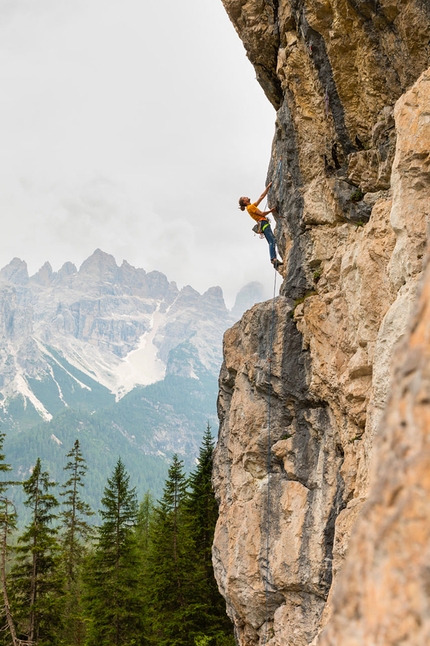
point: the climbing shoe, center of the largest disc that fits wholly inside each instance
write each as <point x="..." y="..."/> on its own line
<point x="277" y="263"/>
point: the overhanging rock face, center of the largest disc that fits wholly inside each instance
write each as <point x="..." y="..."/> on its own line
<point x="351" y="180"/>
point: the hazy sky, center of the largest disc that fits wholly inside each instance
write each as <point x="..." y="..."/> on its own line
<point x="131" y="126"/>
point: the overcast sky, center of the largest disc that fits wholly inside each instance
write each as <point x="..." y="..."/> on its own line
<point x="131" y="126"/>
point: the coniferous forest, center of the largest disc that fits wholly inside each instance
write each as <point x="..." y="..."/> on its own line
<point x="142" y="577"/>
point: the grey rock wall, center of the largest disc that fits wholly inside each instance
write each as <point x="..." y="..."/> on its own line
<point x="350" y="179"/>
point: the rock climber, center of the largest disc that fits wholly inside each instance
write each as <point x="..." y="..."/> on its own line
<point x="262" y="222"/>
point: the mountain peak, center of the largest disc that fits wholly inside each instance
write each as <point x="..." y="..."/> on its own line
<point x="100" y="257"/>
<point x="214" y="298"/>
<point x="247" y="297"/>
<point x="44" y="275"/>
<point x="101" y="266"/>
<point x="67" y="269"/>
<point x="15" y="272"/>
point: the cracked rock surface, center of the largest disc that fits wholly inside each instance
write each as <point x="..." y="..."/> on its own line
<point x="306" y="378"/>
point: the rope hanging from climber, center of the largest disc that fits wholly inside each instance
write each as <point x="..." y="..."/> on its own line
<point x="263" y="227"/>
<point x="267" y="577"/>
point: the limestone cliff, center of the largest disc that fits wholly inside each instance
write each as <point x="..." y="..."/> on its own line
<point x="300" y="408"/>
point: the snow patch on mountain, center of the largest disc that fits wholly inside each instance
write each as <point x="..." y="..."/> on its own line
<point x="74" y="336"/>
<point x="142" y="366"/>
<point x="22" y="388"/>
<point x="55" y="360"/>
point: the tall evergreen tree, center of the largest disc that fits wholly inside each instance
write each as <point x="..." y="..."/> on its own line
<point x="171" y="576"/>
<point x="201" y="503"/>
<point x="8" y="520"/>
<point x="76" y="531"/>
<point x="4" y="468"/>
<point x="143" y="523"/>
<point x="202" y="509"/>
<point x="112" y="597"/>
<point x="37" y="592"/>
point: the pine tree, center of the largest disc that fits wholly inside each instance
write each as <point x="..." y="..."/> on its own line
<point x="202" y="509"/>
<point x="201" y="501"/>
<point x="143" y="523"/>
<point x="4" y="468"/>
<point x="76" y="531"/>
<point x="171" y="576"/>
<point x="8" y="520"/>
<point x="37" y="594"/>
<point x="112" y="598"/>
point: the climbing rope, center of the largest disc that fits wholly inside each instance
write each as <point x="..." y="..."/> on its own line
<point x="269" y="457"/>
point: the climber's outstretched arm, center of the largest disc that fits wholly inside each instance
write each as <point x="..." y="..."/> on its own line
<point x="258" y="212"/>
<point x="263" y="195"/>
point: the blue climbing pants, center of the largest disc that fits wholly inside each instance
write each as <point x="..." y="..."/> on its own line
<point x="271" y="240"/>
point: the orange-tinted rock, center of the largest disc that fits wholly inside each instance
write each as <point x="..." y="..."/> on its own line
<point x="350" y="171"/>
<point x="382" y="596"/>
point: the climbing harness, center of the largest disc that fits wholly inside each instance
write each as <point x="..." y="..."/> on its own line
<point x="258" y="228"/>
<point x="269" y="458"/>
<point x="261" y="226"/>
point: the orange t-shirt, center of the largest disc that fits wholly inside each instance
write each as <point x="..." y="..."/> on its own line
<point x="252" y="210"/>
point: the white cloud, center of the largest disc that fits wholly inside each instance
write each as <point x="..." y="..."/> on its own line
<point x="133" y="127"/>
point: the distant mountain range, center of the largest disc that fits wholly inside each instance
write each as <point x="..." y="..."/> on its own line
<point x="118" y="357"/>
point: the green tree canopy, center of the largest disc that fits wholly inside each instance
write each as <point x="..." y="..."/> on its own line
<point x="75" y="533"/>
<point x="76" y="530"/>
<point x="37" y="586"/>
<point x="202" y="511"/>
<point x="112" y="598"/>
<point x="171" y="576"/>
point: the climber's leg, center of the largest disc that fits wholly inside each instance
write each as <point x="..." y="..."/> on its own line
<point x="271" y="241"/>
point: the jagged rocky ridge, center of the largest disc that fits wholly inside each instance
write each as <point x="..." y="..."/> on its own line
<point x="118" y="326"/>
<point x="351" y="171"/>
<point x="116" y="356"/>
